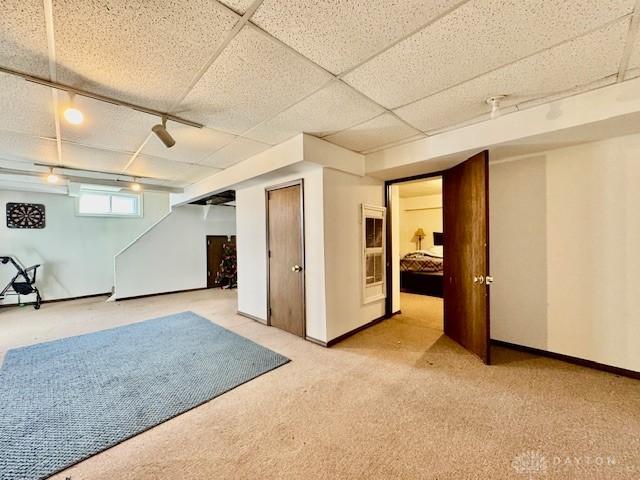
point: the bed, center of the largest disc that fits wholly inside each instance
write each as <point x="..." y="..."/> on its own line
<point x="421" y="272"/>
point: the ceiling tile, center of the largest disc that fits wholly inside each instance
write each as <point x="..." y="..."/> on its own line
<point x="339" y="35"/>
<point x="23" y="148"/>
<point x="479" y="36"/>
<point x="587" y="59"/>
<point x="254" y="79"/>
<point x="375" y="133"/>
<point x="159" y="168"/>
<point x="23" y="37"/>
<point x="87" y="158"/>
<point x="105" y="125"/>
<point x="634" y="59"/>
<point x="195" y="173"/>
<point x="335" y="107"/>
<point x="238" y="6"/>
<point x="26" y="107"/>
<point x="143" y="52"/>
<point x="238" y="150"/>
<point x="192" y="144"/>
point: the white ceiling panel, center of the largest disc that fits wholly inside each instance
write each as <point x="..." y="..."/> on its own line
<point x="23" y="37"/>
<point x="79" y="156"/>
<point x="335" y="107"/>
<point x="238" y="6"/>
<point x="160" y="168"/>
<point x="192" y="144"/>
<point x="254" y="78"/>
<point x="23" y="148"/>
<point x="375" y="133"/>
<point x="592" y="57"/>
<point x="479" y="36"/>
<point x="26" y="107"/>
<point x="238" y="150"/>
<point x="195" y="173"/>
<point x="105" y="125"/>
<point x="634" y="59"/>
<point x="143" y="52"/>
<point x="339" y="35"/>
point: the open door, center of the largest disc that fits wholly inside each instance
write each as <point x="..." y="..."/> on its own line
<point x="466" y="254"/>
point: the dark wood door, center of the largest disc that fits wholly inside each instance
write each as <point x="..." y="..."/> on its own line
<point x="466" y="254"/>
<point x="214" y="257"/>
<point x="286" y="259"/>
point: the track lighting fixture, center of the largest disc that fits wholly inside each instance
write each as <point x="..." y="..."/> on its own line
<point x="161" y="132"/>
<point x="135" y="186"/>
<point x="52" y="177"/>
<point x="72" y="114"/>
<point x="495" y="101"/>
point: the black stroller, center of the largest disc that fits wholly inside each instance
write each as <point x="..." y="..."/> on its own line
<point x="23" y="283"/>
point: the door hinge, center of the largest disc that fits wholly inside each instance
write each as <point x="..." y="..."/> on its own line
<point x="269" y="253"/>
<point x="208" y="243"/>
<point x="208" y="273"/>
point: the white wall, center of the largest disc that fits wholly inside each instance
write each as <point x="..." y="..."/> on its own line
<point x="171" y="255"/>
<point x="419" y="212"/>
<point x="565" y="232"/>
<point x="343" y="196"/>
<point x="251" y="243"/>
<point x="76" y="252"/>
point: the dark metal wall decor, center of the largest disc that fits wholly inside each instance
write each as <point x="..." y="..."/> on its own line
<point x="25" y="215"/>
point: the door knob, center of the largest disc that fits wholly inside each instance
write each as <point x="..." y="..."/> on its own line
<point x="479" y="279"/>
<point x="296" y="268"/>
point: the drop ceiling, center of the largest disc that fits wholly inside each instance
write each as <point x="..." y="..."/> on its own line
<point x="363" y="74"/>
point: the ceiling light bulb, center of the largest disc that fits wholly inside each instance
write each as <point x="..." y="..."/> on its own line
<point x="73" y="116"/>
<point x="52" y="177"/>
<point x="135" y="187"/>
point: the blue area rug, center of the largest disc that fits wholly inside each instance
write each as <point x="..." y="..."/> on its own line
<point x="63" y="401"/>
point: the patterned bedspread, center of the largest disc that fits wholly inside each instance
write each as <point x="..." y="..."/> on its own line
<point x="420" y="262"/>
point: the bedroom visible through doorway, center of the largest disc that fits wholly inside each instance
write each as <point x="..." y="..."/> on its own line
<point x="417" y="250"/>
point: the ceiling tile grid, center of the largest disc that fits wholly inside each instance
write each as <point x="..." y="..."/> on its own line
<point x="334" y="107"/>
<point x="338" y="35"/>
<point x="88" y="158"/>
<point x="192" y="144"/>
<point x="238" y="6"/>
<point x="238" y="150"/>
<point x="26" y="107"/>
<point x="23" y="35"/>
<point x="382" y="130"/>
<point x="105" y="125"/>
<point x="579" y="62"/>
<point x="479" y="36"/>
<point x="24" y="148"/>
<point x="253" y="79"/>
<point x="142" y="52"/>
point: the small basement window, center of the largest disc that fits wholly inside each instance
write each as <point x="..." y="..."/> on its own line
<point x="94" y="203"/>
<point x="373" y="253"/>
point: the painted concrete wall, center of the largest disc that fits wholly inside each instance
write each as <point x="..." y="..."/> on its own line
<point x="564" y="251"/>
<point x="252" y="243"/>
<point x="171" y="255"/>
<point x="76" y="252"/>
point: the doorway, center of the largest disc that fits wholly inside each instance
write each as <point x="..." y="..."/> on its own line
<point x="285" y="257"/>
<point x="417" y="244"/>
<point x="464" y="277"/>
<point x="215" y="244"/>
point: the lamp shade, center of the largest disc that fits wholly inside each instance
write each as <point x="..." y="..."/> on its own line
<point x="420" y="233"/>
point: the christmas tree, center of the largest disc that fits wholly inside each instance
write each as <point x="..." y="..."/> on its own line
<point x="227" y="276"/>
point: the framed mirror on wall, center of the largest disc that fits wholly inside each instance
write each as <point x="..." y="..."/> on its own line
<point x="373" y="253"/>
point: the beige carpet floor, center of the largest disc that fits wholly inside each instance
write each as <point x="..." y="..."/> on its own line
<point x="397" y="400"/>
<point x="425" y="310"/>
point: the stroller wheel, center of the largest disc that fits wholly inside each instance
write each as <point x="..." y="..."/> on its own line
<point x="37" y="306"/>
